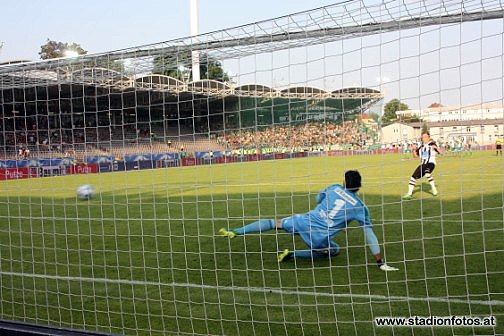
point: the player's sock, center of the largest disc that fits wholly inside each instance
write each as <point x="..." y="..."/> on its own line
<point x="434" y="190"/>
<point x="431" y="182"/>
<point x="309" y="254"/>
<point x="259" y="226"/>
<point x="411" y="185"/>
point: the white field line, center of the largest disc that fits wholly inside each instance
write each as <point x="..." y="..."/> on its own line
<point x="258" y="290"/>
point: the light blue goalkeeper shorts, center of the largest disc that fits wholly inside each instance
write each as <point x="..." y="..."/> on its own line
<point x="299" y="225"/>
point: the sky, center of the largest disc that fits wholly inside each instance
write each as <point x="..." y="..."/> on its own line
<point x="453" y="64"/>
<point x="101" y="25"/>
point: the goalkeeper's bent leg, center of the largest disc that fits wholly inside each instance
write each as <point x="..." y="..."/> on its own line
<point x="259" y="226"/>
<point x="310" y="254"/>
<point x="314" y="254"/>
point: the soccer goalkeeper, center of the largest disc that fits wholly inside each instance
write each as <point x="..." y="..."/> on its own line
<point x="337" y="207"/>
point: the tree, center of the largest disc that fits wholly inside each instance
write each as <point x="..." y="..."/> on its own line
<point x="179" y="65"/>
<point x="390" y="110"/>
<point x="53" y="49"/>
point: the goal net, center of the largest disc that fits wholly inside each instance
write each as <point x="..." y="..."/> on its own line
<point x="282" y="110"/>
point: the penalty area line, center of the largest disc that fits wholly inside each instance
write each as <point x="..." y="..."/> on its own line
<point x="258" y="290"/>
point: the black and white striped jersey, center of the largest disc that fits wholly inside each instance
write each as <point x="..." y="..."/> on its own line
<point x="427" y="153"/>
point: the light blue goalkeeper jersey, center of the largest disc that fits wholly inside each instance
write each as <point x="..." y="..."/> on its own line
<point x="336" y="208"/>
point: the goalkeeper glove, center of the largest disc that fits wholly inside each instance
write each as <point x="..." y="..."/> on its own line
<point x="388" y="268"/>
<point x="384" y="267"/>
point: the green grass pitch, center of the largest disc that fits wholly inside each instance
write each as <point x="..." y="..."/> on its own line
<point x="143" y="256"/>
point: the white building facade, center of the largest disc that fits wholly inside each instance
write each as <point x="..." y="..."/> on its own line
<point x="398" y="133"/>
<point x="475" y="132"/>
<point x="455" y="113"/>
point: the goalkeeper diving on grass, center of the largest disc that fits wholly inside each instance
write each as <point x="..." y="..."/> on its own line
<point x="338" y="205"/>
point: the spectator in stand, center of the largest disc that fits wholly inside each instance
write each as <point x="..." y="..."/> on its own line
<point x="310" y="136"/>
<point x="24" y="153"/>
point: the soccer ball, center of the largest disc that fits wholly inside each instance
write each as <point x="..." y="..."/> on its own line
<point x="85" y="192"/>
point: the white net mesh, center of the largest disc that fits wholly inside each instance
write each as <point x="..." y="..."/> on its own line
<point x="283" y="109"/>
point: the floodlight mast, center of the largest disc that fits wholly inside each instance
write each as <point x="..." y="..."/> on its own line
<point x="194" y="33"/>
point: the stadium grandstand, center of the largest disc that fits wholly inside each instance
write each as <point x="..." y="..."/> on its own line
<point x="97" y="111"/>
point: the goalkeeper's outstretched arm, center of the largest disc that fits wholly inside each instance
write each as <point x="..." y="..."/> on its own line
<point x="374" y="246"/>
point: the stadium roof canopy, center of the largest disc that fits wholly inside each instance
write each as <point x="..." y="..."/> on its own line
<point x="106" y="78"/>
<point x="158" y="82"/>
<point x="97" y="73"/>
<point x="254" y="90"/>
<point x="100" y="90"/>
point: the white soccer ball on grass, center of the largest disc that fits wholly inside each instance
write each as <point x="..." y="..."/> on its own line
<point x="85" y="192"/>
